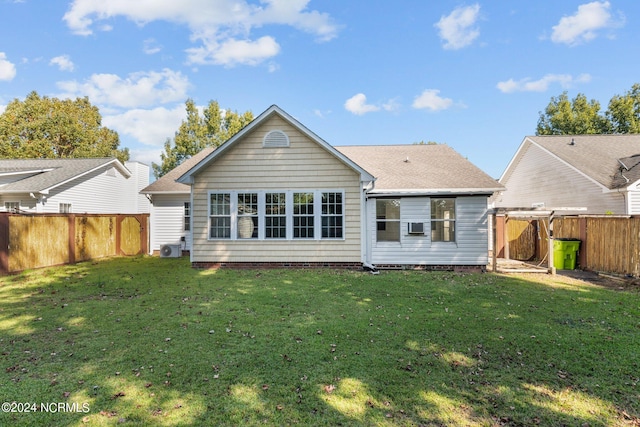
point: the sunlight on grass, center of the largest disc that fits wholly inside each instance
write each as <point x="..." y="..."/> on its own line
<point x="350" y="398"/>
<point x="456" y="359"/>
<point x="247" y="396"/>
<point x="18" y="325"/>
<point x="570" y="401"/>
<point x="446" y="411"/>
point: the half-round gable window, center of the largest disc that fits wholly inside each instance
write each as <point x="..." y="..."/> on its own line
<point x="275" y="138"/>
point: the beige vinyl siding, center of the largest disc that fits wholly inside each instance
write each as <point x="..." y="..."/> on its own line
<point x="471" y="235"/>
<point x="304" y="166"/>
<point x="539" y="177"/>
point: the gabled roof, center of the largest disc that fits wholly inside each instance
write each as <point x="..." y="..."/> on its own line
<point x="421" y="169"/>
<point x="43" y="175"/>
<point x="167" y="183"/>
<point x="609" y="160"/>
<point x="186" y="177"/>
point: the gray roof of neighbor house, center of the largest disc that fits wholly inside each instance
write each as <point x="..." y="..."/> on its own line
<point x="167" y="183"/>
<point x="611" y="160"/>
<point x="42" y="175"/>
<point x="421" y="169"/>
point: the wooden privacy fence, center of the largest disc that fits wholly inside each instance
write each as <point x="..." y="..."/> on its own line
<point x="608" y="244"/>
<point x="41" y="240"/>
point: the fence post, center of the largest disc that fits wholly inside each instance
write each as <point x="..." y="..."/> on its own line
<point x="4" y="243"/>
<point x="72" y="238"/>
<point x="583" y="242"/>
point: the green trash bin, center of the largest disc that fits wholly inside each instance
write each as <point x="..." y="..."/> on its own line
<point x="564" y="253"/>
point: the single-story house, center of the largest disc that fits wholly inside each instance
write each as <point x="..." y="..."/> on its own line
<point x="277" y="194"/>
<point x="96" y="185"/>
<point x="598" y="173"/>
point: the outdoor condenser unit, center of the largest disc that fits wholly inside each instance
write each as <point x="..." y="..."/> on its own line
<point x="170" y="251"/>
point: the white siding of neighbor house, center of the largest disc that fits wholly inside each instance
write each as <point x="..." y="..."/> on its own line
<point x="539" y="177"/>
<point x="304" y="165"/>
<point x="104" y="191"/>
<point x="471" y="235"/>
<point x="139" y="180"/>
<point x="167" y="221"/>
<point x="633" y="202"/>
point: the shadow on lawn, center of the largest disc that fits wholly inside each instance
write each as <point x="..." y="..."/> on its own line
<point x="149" y="341"/>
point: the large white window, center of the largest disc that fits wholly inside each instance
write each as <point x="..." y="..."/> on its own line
<point x="247" y="215"/>
<point x="332" y="215"/>
<point x="443" y="220"/>
<point x="267" y="215"/>
<point x="220" y="215"/>
<point x="303" y="216"/>
<point x="388" y="220"/>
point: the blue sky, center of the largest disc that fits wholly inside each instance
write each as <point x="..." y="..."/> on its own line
<point x="473" y="75"/>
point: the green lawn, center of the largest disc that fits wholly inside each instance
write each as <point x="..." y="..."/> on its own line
<point x="150" y="341"/>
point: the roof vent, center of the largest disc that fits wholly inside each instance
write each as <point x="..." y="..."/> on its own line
<point x="275" y="138"/>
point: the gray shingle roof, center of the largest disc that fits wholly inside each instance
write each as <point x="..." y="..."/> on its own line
<point x="597" y="156"/>
<point x="53" y="172"/>
<point x="167" y="183"/>
<point x="420" y="168"/>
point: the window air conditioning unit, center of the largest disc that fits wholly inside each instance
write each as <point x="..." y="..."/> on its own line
<point x="416" y="228"/>
<point x="170" y="251"/>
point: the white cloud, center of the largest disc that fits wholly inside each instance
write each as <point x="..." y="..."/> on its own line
<point x="357" y="104"/>
<point x="431" y="100"/>
<point x="583" y="25"/>
<point x="63" y="62"/>
<point x="7" y="68"/>
<point x="137" y="90"/>
<point x="233" y="52"/>
<point x="216" y="25"/>
<point x="458" y="29"/>
<point x="150" y="127"/>
<point x="151" y="46"/>
<point x="541" y="85"/>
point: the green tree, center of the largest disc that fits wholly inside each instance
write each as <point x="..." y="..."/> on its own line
<point x="42" y="127"/>
<point x="196" y="132"/>
<point x="572" y="117"/>
<point x="624" y="111"/>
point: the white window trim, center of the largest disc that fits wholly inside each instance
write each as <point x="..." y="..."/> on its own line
<point x="317" y="215"/>
<point x="65" y="203"/>
<point x="10" y="202"/>
<point x="454" y="220"/>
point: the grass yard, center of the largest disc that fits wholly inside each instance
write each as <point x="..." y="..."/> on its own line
<point x="149" y="341"/>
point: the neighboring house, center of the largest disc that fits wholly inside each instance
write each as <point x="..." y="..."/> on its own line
<point x="598" y="172"/>
<point x="277" y="194"/>
<point x="97" y="185"/>
<point x="170" y="216"/>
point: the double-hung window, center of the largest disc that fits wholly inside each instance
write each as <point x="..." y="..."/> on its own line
<point x="220" y="215"/>
<point x="388" y="220"/>
<point x="247" y="215"/>
<point x="443" y="220"/>
<point x="12" y="206"/>
<point x="270" y="215"/>
<point x="332" y="216"/>
<point x="275" y="216"/>
<point x="187" y="216"/>
<point x="64" y="207"/>
<point x="303" y="217"/>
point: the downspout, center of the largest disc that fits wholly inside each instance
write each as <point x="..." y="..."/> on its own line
<point x="366" y="234"/>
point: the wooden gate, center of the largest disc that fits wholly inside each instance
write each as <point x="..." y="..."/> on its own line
<point x="41" y="240"/>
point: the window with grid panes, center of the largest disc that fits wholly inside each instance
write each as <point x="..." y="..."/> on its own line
<point x="220" y="216"/>
<point x="332" y="215"/>
<point x="275" y="216"/>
